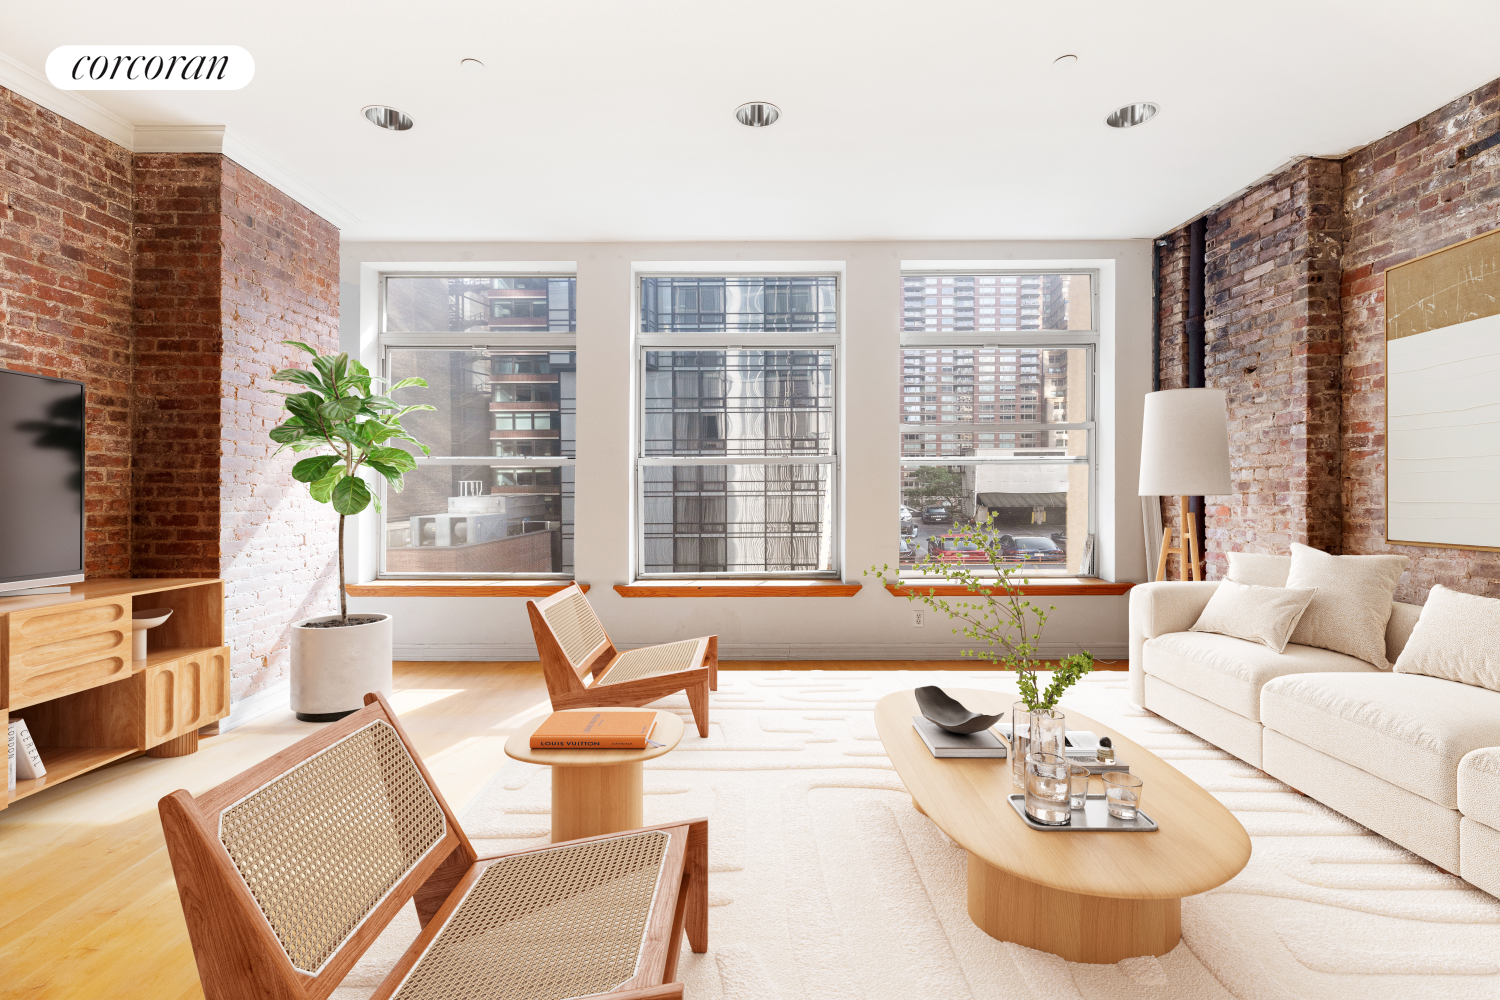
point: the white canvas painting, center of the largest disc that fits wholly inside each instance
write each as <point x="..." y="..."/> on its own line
<point x="1443" y="435"/>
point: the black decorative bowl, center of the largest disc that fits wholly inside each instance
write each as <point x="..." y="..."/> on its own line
<point x="948" y="714"/>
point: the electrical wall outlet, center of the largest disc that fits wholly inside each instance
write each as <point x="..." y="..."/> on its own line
<point x="917" y="619"/>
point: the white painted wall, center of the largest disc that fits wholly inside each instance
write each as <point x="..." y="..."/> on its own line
<point x="871" y="625"/>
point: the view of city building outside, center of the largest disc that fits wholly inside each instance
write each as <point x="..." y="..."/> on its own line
<point x="970" y="402"/>
<point x="757" y="510"/>
<point x="496" y="497"/>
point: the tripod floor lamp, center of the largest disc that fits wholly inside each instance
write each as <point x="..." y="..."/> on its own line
<point x="1184" y="453"/>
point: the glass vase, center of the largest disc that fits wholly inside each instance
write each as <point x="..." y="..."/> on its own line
<point x="1020" y="726"/>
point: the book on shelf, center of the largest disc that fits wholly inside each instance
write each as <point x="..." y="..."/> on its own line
<point x="28" y="761"/>
<point x="595" y="731"/>
<point x="941" y="743"/>
<point x="10" y="756"/>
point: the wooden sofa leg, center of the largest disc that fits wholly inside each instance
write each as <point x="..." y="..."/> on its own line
<point x="697" y="696"/>
<point x="696" y="870"/>
<point x="712" y="657"/>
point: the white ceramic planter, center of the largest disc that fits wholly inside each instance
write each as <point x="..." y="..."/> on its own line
<point x="334" y="668"/>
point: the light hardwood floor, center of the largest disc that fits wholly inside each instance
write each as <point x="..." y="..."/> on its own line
<point x="88" y="907"/>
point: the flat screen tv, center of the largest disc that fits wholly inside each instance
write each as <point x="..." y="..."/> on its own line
<point x="41" y="481"/>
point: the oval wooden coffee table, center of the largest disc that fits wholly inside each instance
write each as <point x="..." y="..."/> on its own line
<point x="595" y="791"/>
<point x="1088" y="897"/>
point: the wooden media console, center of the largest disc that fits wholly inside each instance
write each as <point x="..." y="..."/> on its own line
<point x="66" y="668"/>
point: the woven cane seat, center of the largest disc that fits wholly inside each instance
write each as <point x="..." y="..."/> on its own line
<point x="552" y="924"/>
<point x="321" y="845"/>
<point x="651" y="662"/>
<point x="576" y="627"/>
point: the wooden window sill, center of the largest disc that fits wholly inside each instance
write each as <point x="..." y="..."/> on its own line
<point x="735" y="588"/>
<point x="460" y="588"/>
<point x="1064" y="587"/>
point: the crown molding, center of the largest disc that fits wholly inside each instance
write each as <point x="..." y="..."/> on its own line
<point x="160" y="138"/>
<point x="35" y="87"/>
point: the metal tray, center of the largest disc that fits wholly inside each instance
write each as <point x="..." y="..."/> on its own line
<point x="1094" y="817"/>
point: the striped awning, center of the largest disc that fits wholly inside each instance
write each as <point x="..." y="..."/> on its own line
<point x="997" y="500"/>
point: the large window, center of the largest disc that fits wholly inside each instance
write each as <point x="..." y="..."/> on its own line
<point x="495" y="499"/>
<point x="737" y="464"/>
<point x="997" y="418"/>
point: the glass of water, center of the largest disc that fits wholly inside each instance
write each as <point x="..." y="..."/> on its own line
<point x="1047" y="789"/>
<point x="1078" y="782"/>
<point x="1122" y="794"/>
<point x="1049" y="729"/>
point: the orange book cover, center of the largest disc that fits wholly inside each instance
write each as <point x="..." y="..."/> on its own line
<point x="594" y="731"/>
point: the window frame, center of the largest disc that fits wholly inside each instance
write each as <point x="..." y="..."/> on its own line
<point x="447" y="340"/>
<point x="1040" y="339"/>
<point x="726" y="341"/>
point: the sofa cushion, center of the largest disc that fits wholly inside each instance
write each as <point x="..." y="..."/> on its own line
<point x="1265" y="615"/>
<point x="1230" y="672"/>
<point x="1350" y="611"/>
<point x="1258" y="570"/>
<point x="1456" y="638"/>
<point x="1479" y="786"/>
<point x="1405" y="728"/>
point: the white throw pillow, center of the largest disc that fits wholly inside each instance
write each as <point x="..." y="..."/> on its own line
<point x="1259" y="570"/>
<point x="1266" y="615"/>
<point x="1457" y="638"/>
<point x="1349" y="612"/>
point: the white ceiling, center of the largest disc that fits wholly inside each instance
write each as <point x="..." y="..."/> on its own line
<point x="596" y="119"/>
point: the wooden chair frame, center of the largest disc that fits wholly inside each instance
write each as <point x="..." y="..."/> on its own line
<point x="240" y="958"/>
<point x="566" y="687"/>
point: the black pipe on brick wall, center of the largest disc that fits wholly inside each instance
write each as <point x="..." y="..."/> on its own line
<point x="1196" y="307"/>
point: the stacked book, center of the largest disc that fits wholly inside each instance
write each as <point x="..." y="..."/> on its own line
<point x="595" y="731"/>
<point x="1082" y="745"/>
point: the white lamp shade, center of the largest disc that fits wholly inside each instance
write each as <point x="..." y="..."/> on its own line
<point x="1185" y="444"/>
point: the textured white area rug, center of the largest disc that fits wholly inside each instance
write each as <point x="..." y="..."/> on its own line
<point x="825" y="883"/>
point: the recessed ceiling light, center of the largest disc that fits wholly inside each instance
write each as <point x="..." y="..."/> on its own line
<point x="389" y="118"/>
<point x="1065" y="61"/>
<point x="757" y="114"/>
<point x="471" y="66"/>
<point x="1131" y="115"/>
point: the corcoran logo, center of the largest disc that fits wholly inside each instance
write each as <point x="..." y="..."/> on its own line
<point x="150" y="67"/>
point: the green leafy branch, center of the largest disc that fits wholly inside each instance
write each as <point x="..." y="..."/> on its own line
<point x="1009" y="625"/>
<point x="341" y="411"/>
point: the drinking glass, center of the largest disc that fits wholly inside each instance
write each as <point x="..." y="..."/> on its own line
<point x="1049" y="729"/>
<point x="1078" y="782"/>
<point x="1020" y="722"/>
<point x="1047" y="780"/>
<point x="1122" y="794"/>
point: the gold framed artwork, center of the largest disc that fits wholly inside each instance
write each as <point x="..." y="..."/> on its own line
<point x="1442" y="398"/>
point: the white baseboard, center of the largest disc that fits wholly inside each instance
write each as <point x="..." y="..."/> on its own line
<point x="255" y="705"/>
<point x="752" y="651"/>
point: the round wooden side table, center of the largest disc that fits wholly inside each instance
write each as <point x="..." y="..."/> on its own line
<point x="595" y="791"/>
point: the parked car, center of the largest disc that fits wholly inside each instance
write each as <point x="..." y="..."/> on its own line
<point x="937" y="515"/>
<point x="908" y="528"/>
<point x="909" y="551"/>
<point x="907" y="513"/>
<point x="948" y="549"/>
<point x="1030" y="548"/>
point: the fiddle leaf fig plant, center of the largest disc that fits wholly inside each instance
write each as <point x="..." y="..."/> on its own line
<point x="342" y="411"/>
<point x="1002" y="618"/>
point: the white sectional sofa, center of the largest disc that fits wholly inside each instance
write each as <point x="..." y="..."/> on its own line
<point x="1412" y="757"/>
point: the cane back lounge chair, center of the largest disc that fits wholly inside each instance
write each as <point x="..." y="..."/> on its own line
<point x="572" y="643"/>
<point x="289" y="871"/>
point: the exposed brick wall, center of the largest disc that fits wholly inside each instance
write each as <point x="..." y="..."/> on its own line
<point x="65" y="287"/>
<point x="279" y="555"/>
<point x="166" y="282"/>
<point x="178" y="348"/>
<point x="1296" y="335"/>
<point x="1404" y="196"/>
<point x="1272" y="344"/>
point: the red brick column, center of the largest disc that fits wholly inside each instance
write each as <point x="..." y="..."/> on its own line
<point x="178" y="348"/>
<point x="65" y="285"/>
